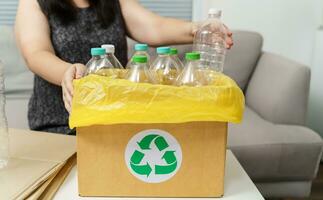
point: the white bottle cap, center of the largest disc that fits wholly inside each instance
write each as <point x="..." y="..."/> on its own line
<point x="109" y="48"/>
<point x="215" y="11"/>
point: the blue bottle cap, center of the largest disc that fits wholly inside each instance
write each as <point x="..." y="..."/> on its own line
<point x="141" y="47"/>
<point x="97" y="51"/>
<point x="163" y="50"/>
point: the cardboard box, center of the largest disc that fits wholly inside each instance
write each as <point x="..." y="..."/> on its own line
<point x="152" y="160"/>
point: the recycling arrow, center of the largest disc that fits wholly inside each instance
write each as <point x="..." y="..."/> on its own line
<point x="141" y="169"/>
<point x="136" y="158"/>
<point x="160" y="142"/>
<point x="170" y="159"/>
<point x="165" y="169"/>
<point x="145" y="145"/>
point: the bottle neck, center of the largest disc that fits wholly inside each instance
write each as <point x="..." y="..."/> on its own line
<point x="140" y="65"/>
<point x="215" y="15"/>
<point x="141" y="51"/>
<point x="98" y="56"/>
<point x="194" y="63"/>
<point x="163" y="55"/>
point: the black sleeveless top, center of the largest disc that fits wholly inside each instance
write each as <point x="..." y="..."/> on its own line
<point x="72" y="43"/>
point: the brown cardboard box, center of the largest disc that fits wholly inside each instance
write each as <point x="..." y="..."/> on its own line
<point x="104" y="167"/>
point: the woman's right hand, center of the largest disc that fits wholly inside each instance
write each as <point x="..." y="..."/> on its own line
<point x="76" y="71"/>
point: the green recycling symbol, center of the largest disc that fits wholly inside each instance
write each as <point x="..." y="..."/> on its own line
<point x="153" y="155"/>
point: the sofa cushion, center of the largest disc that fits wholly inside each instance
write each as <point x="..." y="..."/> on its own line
<point x="272" y="152"/>
<point x="242" y="58"/>
<point x="278" y="90"/>
<point x="18" y="78"/>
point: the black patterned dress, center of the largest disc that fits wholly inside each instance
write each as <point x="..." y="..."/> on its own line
<point x="72" y="43"/>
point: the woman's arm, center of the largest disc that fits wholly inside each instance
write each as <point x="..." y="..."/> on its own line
<point x="33" y="38"/>
<point x="145" y="26"/>
<point x="148" y="27"/>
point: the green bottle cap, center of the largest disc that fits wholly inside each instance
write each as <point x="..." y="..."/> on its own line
<point x="193" y="56"/>
<point x="141" y="47"/>
<point x="139" y="59"/>
<point x="173" y="51"/>
<point x="163" y="50"/>
<point x="97" y="51"/>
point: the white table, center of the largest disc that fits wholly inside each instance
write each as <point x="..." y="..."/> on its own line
<point x="238" y="185"/>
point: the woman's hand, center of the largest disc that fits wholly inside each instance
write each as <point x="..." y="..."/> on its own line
<point x="76" y="71"/>
<point x="229" y="40"/>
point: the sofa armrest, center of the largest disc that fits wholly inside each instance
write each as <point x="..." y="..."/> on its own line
<point x="278" y="90"/>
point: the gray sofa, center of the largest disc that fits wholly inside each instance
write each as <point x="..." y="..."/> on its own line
<point x="278" y="152"/>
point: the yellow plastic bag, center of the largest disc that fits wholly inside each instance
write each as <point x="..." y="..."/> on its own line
<point x="101" y="100"/>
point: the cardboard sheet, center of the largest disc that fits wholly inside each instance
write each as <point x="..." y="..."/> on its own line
<point x="34" y="158"/>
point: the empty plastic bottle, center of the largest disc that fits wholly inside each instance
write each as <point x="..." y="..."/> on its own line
<point x="110" y="50"/>
<point x="139" y="71"/>
<point x="140" y="49"/>
<point x="100" y="64"/>
<point x="4" y="135"/>
<point x="193" y="74"/>
<point x="117" y="66"/>
<point x="174" y="56"/>
<point x="165" y="68"/>
<point x="209" y="40"/>
<point x="97" y="54"/>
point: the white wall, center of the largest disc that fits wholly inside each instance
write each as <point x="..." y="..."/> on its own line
<point x="288" y="26"/>
<point x="315" y="112"/>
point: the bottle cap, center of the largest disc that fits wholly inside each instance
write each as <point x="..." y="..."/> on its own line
<point x="141" y="47"/>
<point x="97" y="51"/>
<point x="139" y="59"/>
<point x="192" y="56"/>
<point x="173" y="51"/>
<point x="163" y="50"/>
<point x="215" y="11"/>
<point x="109" y="48"/>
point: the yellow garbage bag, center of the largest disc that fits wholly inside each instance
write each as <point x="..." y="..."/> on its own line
<point x="101" y="100"/>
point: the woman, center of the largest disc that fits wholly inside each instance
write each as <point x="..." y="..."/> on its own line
<point x="55" y="37"/>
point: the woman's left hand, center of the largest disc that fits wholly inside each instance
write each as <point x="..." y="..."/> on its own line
<point x="75" y="71"/>
<point x="229" y="39"/>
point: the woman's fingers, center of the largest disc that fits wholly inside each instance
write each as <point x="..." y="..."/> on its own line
<point x="68" y="79"/>
<point x="80" y="71"/>
<point x="76" y="71"/>
<point x="67" y="103"/>
<point x="229" y="40"/>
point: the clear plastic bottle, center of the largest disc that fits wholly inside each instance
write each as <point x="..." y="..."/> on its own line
<point x="110" y="50"/>
<point x="209" y="40"/>
<point x="4" y="135"/>
<point x="139" y="71"/>
<point x="193" y="74"/>
<point x="165" y="68"/>
<point x="140" y="49"/>
<point x="97" y="54"/>
<point x="100" y="64"/>
<point x="174" y="56"/>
